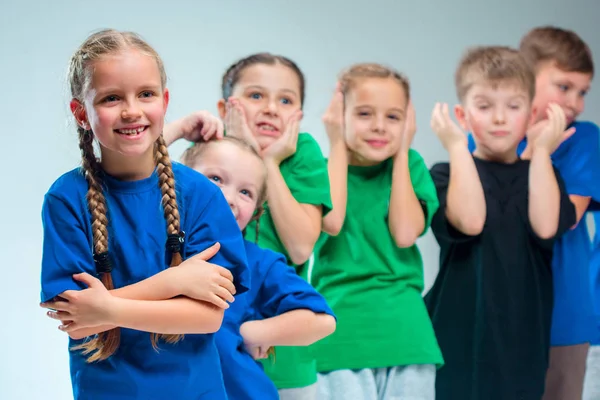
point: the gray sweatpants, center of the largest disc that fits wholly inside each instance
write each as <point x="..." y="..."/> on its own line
<point x="303" y="393"/>
<point x="412" y="382"/>
<point x="591" y="384"/>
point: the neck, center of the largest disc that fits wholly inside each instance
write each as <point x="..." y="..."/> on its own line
<point x="357" y="160"/>
<point x="128" y="168"/>
<point x="509" y="157"/>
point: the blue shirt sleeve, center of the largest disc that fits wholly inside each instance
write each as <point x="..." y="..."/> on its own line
<point x="283" y="290"/>
<point x="579" y="161"/>
<point x="67" y="248"/>
<point x="216" y="223"/>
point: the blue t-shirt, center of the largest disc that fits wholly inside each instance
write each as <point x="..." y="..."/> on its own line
<point x="595" y="275"/>
<point x="276" y="289"/>
<point x="578" y="161"/>
<point x="137" y="233"/>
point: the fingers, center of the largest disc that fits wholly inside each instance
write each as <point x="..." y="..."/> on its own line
<point x="88" y="279"/>
<point x="60" y="316"/>
<point x="227" y="285"/>
<point x="567" y="134"/>
<point x="225" y="273"/>
<point x="57" y="306"/>
<point x="225" y="294"/>
<point x="436" y="118"/>
<point x="217" y="301"/>
<point x="69" y="327"/>
<point x="210" y="252"/>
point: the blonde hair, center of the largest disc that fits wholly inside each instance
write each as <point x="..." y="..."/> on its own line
<point x="357" y="72"/>
<point x="81" y="69"/>
<point x="493" y="65"/>
<point x="192" y="155"/>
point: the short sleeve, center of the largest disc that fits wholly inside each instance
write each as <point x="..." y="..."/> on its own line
<point x="306" y="174"/>
<point x="423" y="186"/>
<point x="442" y="229"/>
<point x="216" y="223"/>
<point x="66" y="250"/>
<point x="579" y="162"/>
<point x="283" y="290"/>
<point x="567" y="216"/>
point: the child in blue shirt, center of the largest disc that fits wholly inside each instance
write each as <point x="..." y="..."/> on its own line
<point x="126" y="218"/>
<point x="281" y="308"/>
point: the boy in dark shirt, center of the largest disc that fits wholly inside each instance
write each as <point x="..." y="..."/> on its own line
<point x="491" y="303"/>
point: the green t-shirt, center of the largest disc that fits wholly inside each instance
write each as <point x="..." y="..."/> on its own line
<point x="306" y="175"/>
<point x="373" y="286"/>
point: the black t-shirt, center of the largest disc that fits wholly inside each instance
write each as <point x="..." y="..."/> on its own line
<point x="491" y="304"/>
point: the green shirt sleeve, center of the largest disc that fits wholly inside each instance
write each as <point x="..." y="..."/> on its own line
<point x="306" y="174"/>
<point x="423" y="186"/>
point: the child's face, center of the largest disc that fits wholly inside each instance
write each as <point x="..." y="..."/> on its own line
<point x="374" y="117"/>
<point x="270" y="95"/>
<point x="239" y="174"/>
<point x="125" y="105"/>
<point x="567" y="89"/>
<point x="497" y="116"/>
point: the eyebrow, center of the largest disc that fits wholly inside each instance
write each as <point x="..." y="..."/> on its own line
<point x="398" y="110"/>
<point x="283" y="90"/>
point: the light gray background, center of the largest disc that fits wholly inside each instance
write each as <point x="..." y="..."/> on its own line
<point x="198" y="40"/>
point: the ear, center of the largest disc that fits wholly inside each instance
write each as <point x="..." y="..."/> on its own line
<point x="166" y="97"/>
<point x="78" y="111"/>
<point x="461" y="117"/>
<point x="534" y="114"/>
<point x="222" y="108"/>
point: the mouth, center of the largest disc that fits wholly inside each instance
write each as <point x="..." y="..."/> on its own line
<point x="267" y="129"/>
<point x="500" y="133"/>
<point x="132" y="132"/>
<point x="377" y="143"/>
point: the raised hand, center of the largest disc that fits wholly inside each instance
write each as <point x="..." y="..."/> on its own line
<point x="284" y="146"/>
<point x="236" y="124"/>
<point x="447" y="131"/>
<point x="410" y="128"/>
<point x="550" y="133"/>
<point x="333" y="118"/>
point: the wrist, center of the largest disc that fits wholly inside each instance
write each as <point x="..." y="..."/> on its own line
<point x="457" y="148"/>
<point x="540" y="151"/>
<point x="114" y="312"/>
<point x="252" y="334"/>
<point x="271" y="163"/>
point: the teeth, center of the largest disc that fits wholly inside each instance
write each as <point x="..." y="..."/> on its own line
<point x="267" y="127"/>
<point x="131" y="131"/>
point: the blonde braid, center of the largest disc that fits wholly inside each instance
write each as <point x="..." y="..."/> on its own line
<point x="166" y="181"/>
<point x="106" y="343"/>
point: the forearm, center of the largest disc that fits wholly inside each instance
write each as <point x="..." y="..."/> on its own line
<point x="406" y="218"/>
<point x="293" y="328"/>
<point x="465" y="199"/>
<point x="297" y="229"/>
<point x="544" y="195"/>
<point x="172" y="132"/>
<point x="174" y="316"/>
<point x="338" y="180"/>
<point x="161" y="286"/>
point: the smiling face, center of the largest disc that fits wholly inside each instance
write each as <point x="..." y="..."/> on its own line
<point x="124" y="106"/>
<point x="240" y="174"/>
<point x="374" y="117"/>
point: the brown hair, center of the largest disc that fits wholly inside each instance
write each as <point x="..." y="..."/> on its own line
<point x="234" y="72"/>
<point x="493" y="65"/>
<point x="193" y="154"/>
<point x="350" y="77"/>
<point x="561" y="46"/>
<point x="93" y="49"/>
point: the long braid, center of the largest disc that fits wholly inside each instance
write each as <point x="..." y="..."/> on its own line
<point x="166" y="181"/>
<point x="106" y="343"/>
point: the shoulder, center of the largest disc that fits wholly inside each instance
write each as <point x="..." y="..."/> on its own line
<point x="308" y="148"/>
<point x="69" y="187"/>
<point x="585" y="131"/>
<point x="261" y="258"/>
<point x="587" y="127"/>
<point x="192" y="185"/>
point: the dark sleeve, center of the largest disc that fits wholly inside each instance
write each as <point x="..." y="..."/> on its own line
<point x="216" y="223"/>
<point x="283" y="290"/>
<point x="442" y="229"/>
<point x="67" y="249"/>
<point x="566" y="218"/>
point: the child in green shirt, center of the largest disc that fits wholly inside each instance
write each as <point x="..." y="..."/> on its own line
<point x="371" y="273"/>
<point x="262" y="99"/>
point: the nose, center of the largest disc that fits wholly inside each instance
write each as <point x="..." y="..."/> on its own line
<point x="272" y="107"/>
<point x="230" y="197"/>
<point x="499" y="115"/>
<point x="131" y="111"/>
<point x="378" y="124"/>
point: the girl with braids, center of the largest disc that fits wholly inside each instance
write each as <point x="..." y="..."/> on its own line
<point x="262" y="98"/>
<point x="280" y="309"/>
<point x="126" y="217"/>
<point x="371" y="273"/>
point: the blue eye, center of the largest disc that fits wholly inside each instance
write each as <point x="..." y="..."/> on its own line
<point x="563" y="88"/>
<point x="214" y="178"/>
<point x="147" y="94"/>
<point x="245" y="192"/>
<point x="286" y="101"/>
<point x="255" y="96"/>
<point x="110" y="98"/>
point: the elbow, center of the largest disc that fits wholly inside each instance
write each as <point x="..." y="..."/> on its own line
<point x="473" y="228"/>
<point x="546" y="232"/>
<point x="214" y="322"/>
<point x="325" y="325"/>
<point x="332" y="223"/>
<point x="301" y="253"/>
<point x="405" y="238"/>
